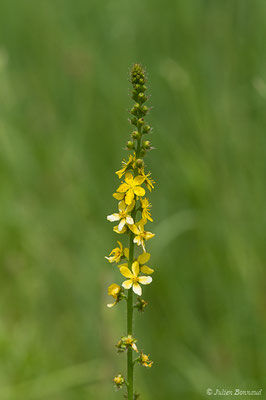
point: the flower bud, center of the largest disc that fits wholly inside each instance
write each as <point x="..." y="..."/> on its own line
<point x="136" y="135"/>
<point x="139" y="163"/>
<point x="146" y="128"/>
<point x="142" y="153"/>
<point x="141" y="97"/>
<point x="140" y="122"/>
<point x="144" y="110"/>
<point x="141" y="303"/>
<point x="130" y="145"/>
<point x="135" y="110"/>
<point x="134" y="121"/>
<point x="146" y="145"/>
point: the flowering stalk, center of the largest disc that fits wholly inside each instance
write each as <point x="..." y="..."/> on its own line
<point x="132" y="202"/>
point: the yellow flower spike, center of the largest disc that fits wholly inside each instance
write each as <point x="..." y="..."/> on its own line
<point x="122" y="215"/>
<point x="132" y="187"/>
<point x="114" y="290"/>
<point x="115" y="254"/>
<point x="145" y="205"/>
<point x="141" y="234"/>
<point x="134" y="278"/>
<point x="135" y="183"/>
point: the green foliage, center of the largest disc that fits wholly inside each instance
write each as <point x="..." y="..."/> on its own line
<point x="63" y="99"/>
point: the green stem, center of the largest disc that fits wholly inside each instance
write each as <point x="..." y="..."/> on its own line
<point x="130" y="363"/>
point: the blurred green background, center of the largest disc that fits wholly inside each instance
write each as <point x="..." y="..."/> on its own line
<point x="63" y="124"/>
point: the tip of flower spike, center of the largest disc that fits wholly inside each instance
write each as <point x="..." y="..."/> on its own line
<point x="138" y="77"/>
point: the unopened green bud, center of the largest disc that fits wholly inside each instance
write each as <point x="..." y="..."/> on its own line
<point x="135" y="110"/>
<point x="146" y="145"/>
<point x="130" y="145"/>
<point x="141" y="122"/>
<point x="136" y="135"/>
<point x="146" y="129"/>
<point x="142" y="153"/>
<point x="144" y="109"/>
<point x="134" y="121"/>
<point x="139" y="163"/>
<point x="141" y="97"/>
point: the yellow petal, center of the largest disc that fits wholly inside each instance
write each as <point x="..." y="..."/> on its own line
<point x="120" y="245"/>
<point x="113" y="289"/>
<point x="134" y="229"/>
<point x="129" y="196"/>
<point x="123" y="188"/>
<point x="139" y="191"/>
<point x="146" y="270"/>
<point x="144" y="203"/>
<point x="137" y="240"/>
<point x="113" y="217"/>
<point x="134" y="347"/>
<point x="121" y="224"/>
<point x="143" y="258"/>
<point x="125" y="271"/>
<point x="129" y="220"/>
<point x="110" y="305"/>
<point x="129" y="178"/>
<point x="118" y="196"/>
<point x="135" y="268"/>
<point x="137" y="289"/>
<point x="139" y="180"/>
<point x="115" y="229"/>
<point x="149" y="235"/>
<point x="145" y="280"/>
<point x="121" y="206"/>
<point x="131" y="206"/>
<point x="126" y="252"/>
<point x="127" y="284"/>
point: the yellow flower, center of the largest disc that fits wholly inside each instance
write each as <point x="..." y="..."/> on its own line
<point x="141" y="234"/>
<point x="142" y="259"/>
<point x="134" y="278"/>
<point x="125" y="342"/>
<point x="126" y="165"/>
<point x="148" y="181"/>
<point x="119" y="380"/>
<point x="116" y="254"/>
<point x="132" y="187"/>
<point x="123" y="215"/>
<point x="145" y="361"/>
<point x="145" y="205"/>
<point x="114" y="290"/>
